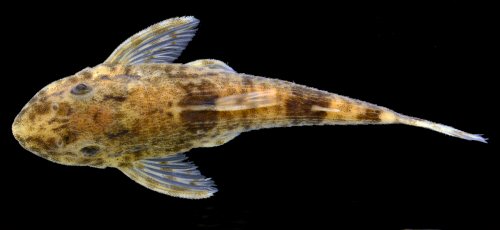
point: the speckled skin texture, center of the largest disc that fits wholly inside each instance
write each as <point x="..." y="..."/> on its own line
<point x="138" y="108"/>
<point x="143" y="111"/>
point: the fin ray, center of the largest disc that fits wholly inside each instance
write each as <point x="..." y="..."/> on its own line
<point x="448" y="130"/>
<point x="160" y="43"/>
<point x="171" y="175"/>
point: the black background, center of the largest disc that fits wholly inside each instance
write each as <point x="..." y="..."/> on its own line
<point x="428" y="61"/>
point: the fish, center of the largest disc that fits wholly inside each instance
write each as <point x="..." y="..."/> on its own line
<point x="140" y="112"/>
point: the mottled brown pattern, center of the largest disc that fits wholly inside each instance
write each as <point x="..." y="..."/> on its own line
<point x="370" y="115"/>
<point x="139" y="111"/>
<point x="198" y="99"/>
<point x="90" y="150"/>
<point x="60" y="127"/>
<point x="203" y="93"/>
<point x="128" y="76"/>
<point x="57" y="120"/>
<point x="32" y="117"/>
<point x="21" y="114"/>
<point x="211" y="74"/>
<point x="199" y="121"/>
<point x="64" y="109"/>
<point x="42" y="93"/>
<point x="41" y="108"/>
<point x="117" y="133"/>
<point x="86" y="75"/>
<point x="143" y="111"/>
<point x="73" y="80"/>
<point x="98" y="162"/>
<point x="69" y="137"/>
<point x="104" y="77"/>
<point x="40" y="143"/>
<point x="247" y="83"/>
<point x="299" y="104"/>
<point x="114" y="98"/>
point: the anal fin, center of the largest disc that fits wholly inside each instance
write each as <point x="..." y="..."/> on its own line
<point x="172" y="176"/>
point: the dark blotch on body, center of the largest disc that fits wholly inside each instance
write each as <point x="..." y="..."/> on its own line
<point x="123" y="164"/>
<point x="58" y="120"/>
<point x="70" y="137"/>
<point x="37" y="142"/>
<point x="64" y="109"/>
<point x="370" y="115"/>
<point x="61" y="127"/>
<point x="119" y="133"/>
<point x="210" y="74"/>
<point x="167" y="69"/>
<point x="247" y="84"/>
<point x="42" y="92"/>
<point x="299" y="104"/>
<point x="104" y="77"/>
<point x="152" y="111"/>
<point x="199" y="121"/>
<point x="114" y="98"/>
<point x="97" y="162"/>
<point x="41" y="108"/>
<point x="199" y="94"/>
<point x="90" y="150"/>
<point x="96" y="115"/>
<point x="127" y="70"/>
<point x="86" y="75"/>
<point x="73" y="80"/>
<point x="200" y="99"/>
<point x="32" y="116"/>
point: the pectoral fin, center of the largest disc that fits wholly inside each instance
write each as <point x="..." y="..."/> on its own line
<point x="160" y="43"/>
<point x="171" y="176"/>
<point x="212" y="64"/>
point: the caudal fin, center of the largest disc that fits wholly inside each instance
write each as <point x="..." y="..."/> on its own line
<point x="448" y="130"/>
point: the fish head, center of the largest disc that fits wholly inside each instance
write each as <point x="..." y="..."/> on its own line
<point x="65" y="121"/>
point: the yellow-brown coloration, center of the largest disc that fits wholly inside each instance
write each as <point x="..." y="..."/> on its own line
<point x="150" y="107"/>
<point x="136" y="109"/>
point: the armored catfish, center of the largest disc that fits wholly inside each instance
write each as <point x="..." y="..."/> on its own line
<point x="138" y="112"/>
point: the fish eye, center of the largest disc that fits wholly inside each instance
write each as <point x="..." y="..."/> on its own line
<point x="81" y="89"/>
<point x="90" y="150"/>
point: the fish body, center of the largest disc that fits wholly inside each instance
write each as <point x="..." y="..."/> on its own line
<point x="139" y="112"/>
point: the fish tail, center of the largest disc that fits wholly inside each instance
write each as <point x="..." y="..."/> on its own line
<point x="448" y="130"/>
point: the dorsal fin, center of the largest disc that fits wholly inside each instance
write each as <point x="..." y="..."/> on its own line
<point x="160" y="43"/>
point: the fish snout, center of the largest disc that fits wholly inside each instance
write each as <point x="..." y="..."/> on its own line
<point x="34" y="126"/>
<point x="32" y="139"/>
<point x="17" y="127"/>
